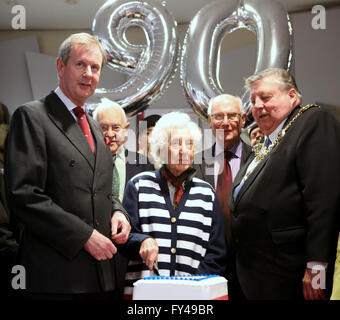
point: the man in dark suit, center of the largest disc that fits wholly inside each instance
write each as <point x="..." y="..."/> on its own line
<point x="58" y="175"/>
<point x="229" y="153"/>
<point x="228" y="137"/>
<point x="285" y="202"/>
<point x="126" y="164"/>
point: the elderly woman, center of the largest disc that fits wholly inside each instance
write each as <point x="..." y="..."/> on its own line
<point x="179" y="211"/>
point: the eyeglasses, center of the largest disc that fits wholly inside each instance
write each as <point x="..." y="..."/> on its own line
<point x="221" y="116"/>
<point x="115" y="128"/>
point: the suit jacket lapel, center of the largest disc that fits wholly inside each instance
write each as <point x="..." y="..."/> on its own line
<point x="98" y="137"/>
<point x="101" y="148"/>
<point x="246" y="152"/>
<point x="250" y="179"/>
<point x="247" y="183"/>
<point x="209" y="158"/>
<point x="62" y="118"/>
<point x="255" y="172"/>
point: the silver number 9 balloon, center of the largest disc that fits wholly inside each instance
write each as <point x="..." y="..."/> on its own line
<point x="199" y="61"/>
<point x="151" y="65"/>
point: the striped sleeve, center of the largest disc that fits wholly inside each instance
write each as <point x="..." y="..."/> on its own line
<point x="214" y="260"/>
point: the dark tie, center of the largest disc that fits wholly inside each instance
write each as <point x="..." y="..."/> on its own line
<point x="268" y="142"/>
<point x="84" y="125"/>
<point x="224" y="182"/>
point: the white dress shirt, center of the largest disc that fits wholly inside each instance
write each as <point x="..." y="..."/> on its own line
<point x="67" y="102"/>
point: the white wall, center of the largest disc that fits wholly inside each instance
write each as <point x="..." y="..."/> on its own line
<point x="15" y="84"/>
<point x="317" y="58"/>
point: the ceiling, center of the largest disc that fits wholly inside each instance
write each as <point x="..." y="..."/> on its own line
<point x="79" y="14"/>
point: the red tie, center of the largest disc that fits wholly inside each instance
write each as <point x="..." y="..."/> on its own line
<point x="84" y="125"/>
<point x="224" y="182"/>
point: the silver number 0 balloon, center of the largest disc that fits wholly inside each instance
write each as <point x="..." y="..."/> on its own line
<point x="266" y="18"/>
<point x="149" y="66"/>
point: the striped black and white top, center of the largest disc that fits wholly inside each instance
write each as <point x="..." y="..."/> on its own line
<point x="191" y="239"/>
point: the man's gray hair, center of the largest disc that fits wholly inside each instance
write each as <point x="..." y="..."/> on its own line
<point x="221" y="98"/>
<point x="81" y="38"/>
<point x="108" y="104"/>
<point x="283" y="77"/>
<point x="159" y="137"/>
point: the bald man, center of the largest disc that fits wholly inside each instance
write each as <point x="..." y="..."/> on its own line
<point x="223" y="161"/>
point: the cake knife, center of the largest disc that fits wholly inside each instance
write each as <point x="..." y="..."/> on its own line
<point x="155" y="269"/>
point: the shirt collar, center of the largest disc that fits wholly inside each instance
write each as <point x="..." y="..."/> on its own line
<point x="120" y="154"/>
<point x="67" y="102"/>
<point x="275" y="133"/>
<point x="236" y="149"/>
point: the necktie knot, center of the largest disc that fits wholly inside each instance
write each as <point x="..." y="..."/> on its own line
<point x="268" y="142"/>
<point x="78" y="111"/>
<point x="228" y="155"/>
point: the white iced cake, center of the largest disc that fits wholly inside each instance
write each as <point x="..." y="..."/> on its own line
<point x="194" y="287"/>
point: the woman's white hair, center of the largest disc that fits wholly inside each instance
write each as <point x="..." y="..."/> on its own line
<point x="160" y="134"/>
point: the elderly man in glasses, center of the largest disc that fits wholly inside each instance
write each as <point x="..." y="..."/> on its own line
<point x="221" y="163"/>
